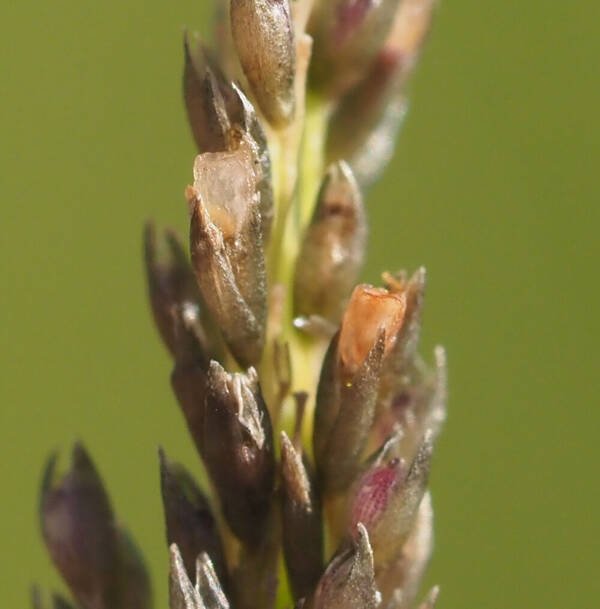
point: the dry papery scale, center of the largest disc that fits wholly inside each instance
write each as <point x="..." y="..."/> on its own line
<point x="311" y="409"/>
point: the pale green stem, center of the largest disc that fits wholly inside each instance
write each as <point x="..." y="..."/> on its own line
<point x="294" y="215"/>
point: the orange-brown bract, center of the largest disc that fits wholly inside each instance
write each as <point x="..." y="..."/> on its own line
<point x="350" y="381"/>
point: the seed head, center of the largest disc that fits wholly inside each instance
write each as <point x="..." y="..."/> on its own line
<point x="293" y="112"/>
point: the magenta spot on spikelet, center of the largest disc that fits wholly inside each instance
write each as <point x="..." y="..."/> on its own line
<point x="373" y="494"/>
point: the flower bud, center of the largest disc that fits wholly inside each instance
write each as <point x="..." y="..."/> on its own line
<point x="94" y="556"/>
<point x="350" y="381"/>
<point x="354" y="132"/>
<point x="363" y="126"/>
<point x="347" y="35"/>
<point x="189" y="520"/>
<point x="345" y="408"/>
<point x="349" y="580"/>
<point x="238" y="450"/>
<point x="301" y="522"/>
<point x="387" y="499"/>
<point x="227" y="250"/>
<point x="401" y="578"/>
<point x="371" y="158"/>
<point x="264" y="38"/>
<point x="333" y="248"/>
<point x="204" y="102"/>
<point x="78" y="527"/>
<point x="171" y="282"/>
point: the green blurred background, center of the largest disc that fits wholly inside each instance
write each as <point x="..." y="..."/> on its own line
<point x="494" y="188"/>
